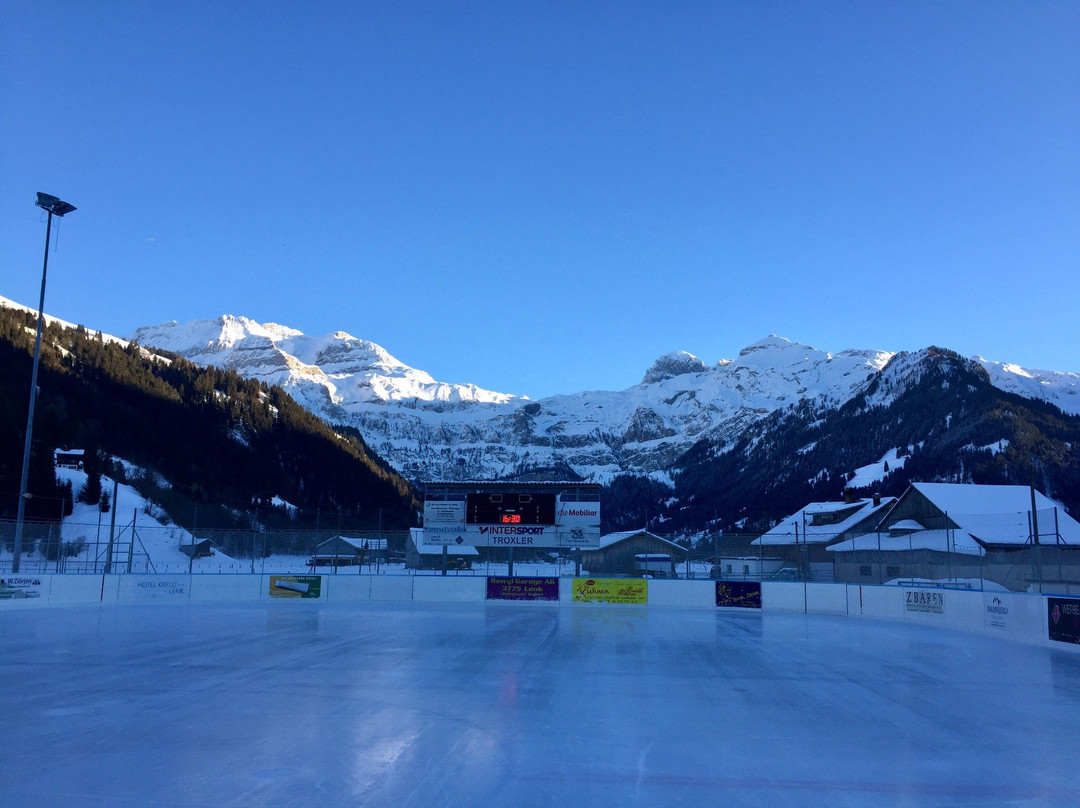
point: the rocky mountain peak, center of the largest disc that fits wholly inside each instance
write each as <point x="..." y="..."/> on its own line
<point x="671" y="365"/>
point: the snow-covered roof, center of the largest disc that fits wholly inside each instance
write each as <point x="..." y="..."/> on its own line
<point x="906" y="524"/>
<point x="944" y="541"/>
<point x="970" y="499"/>
<point x="800" y="525"/>
<point x="614" y="538"/>
<point x="1001" y="514"/>
<point x="359" y="544"/>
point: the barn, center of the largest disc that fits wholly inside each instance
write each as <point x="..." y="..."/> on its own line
<point x="347" y="551"/>
<point x="800" y="540"/>
<point x="1009" y="534"/>
<point x="633" y="553"/>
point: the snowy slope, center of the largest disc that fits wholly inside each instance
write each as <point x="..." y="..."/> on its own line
<point x="157" y="540"/>
<point x="429" y="429"/>
<point x="1058" y="387"/>
<point x="336" y="376"/>
<point x="434" y="430"/>
<point x="50" y="320"/>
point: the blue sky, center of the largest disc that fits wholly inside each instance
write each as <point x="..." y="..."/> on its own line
<point x="544" y="197"/>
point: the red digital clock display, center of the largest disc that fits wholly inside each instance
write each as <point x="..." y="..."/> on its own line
<point x="509" y="508"/>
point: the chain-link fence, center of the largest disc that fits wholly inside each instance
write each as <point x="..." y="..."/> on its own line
<point x="943" y="556"/>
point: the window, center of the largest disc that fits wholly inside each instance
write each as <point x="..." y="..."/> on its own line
<point x="745" y="569"/>
<point x="833" y="517"/>
<point x="892" y="572"/>
<point x="864" y="570"/>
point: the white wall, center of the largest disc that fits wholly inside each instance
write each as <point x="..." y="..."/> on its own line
<point x="1010" y="615"/>
<point x="700" y="594"/>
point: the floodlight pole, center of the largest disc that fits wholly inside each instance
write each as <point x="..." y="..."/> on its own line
<point x="51" y="204"/>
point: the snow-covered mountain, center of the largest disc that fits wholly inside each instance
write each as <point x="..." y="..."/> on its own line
<point x="436" y="430"/>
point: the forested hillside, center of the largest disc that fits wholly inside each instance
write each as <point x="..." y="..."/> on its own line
<point x="941" y="412"/>
<point x="201" y="438"/>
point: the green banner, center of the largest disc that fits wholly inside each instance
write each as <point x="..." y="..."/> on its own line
<point x="295" y="586"/>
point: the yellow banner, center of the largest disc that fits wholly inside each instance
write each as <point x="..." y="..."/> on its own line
<point x="611" y="590"/>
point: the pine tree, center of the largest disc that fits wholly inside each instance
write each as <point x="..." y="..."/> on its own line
<point x="91" y="490"/>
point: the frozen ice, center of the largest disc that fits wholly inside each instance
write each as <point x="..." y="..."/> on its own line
<point x="407" y="704"/>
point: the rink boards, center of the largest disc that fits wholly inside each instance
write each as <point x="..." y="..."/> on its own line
<point x="1039" y="619"/>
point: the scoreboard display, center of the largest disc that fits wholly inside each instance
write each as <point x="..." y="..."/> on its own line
<point x="501" y="518"/>
<point x="510" y="509"/>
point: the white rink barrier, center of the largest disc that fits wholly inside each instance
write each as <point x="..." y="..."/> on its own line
<point x="700" y="594"/>
<point x="1011" y="615"/>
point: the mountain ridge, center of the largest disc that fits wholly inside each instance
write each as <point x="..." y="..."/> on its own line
<point x="436" y="430"/>
<point x="689" y="449"/>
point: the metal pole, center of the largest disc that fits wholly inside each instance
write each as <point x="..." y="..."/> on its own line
<point x="1057" y="533"/>
<point x="112" y="527"/>
<point x="17" y="549"/>
<point x="131" y="547"/>
<point x="97" y="539"/>
<point x="1035" y="533"/>
<point x="60" y="539"/>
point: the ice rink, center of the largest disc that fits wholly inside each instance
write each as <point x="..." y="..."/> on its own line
<point x="301" y="704"/>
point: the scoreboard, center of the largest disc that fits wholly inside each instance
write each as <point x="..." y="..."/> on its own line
<point x="539" y="519"/>
<point x="509" y="509"/>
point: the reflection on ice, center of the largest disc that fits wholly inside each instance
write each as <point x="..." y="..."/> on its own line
<point x="527" y="704"/>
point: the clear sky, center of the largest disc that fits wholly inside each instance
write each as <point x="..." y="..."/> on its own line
<point x="545" y="197"/>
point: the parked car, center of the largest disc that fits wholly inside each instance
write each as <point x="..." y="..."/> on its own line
<point x="788" y="574"/>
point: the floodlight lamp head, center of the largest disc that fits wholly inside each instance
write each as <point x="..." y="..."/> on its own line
<point x="53" y="204"/>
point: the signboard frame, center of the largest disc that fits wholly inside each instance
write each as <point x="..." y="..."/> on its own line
<point x="540" y="516"/>
<point x="1063" y="619"/>
<point x="543" y="588"/>
<point x="738" y="594"/>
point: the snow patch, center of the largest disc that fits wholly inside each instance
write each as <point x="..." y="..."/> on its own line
<point x="868" y="475"/>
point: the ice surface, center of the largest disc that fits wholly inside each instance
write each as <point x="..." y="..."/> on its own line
<point x="293" y="703"/>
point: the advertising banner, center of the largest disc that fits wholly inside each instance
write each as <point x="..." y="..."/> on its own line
<point x="440" y="512"/>
<point x="529" y="536"/>
<point x="295" y="586"/>
<point x="440" y="536"/>
<point x="924" y="600"/>
<point x="582" y="536"/>
<point x="611" y="590"/>
<point x="741" y="594"/>
<point x="1063" y="619"/>
<point x="522" y="588"/>
<point x="511" y="536"/>
<point x="156" y="588"/>
<point x="578" y="514"/>
<point x="996" y="608"/>
<point x="17" y="587"/>
<point x="444" y="523"/>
